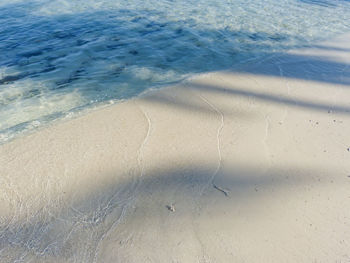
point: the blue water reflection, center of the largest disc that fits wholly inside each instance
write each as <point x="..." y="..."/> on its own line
<point x="59" y="56"/>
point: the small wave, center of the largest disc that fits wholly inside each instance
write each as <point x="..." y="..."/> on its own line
<point x="57" y="56"/>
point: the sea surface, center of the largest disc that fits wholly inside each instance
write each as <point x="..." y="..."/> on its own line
<point x="59" y="57"/>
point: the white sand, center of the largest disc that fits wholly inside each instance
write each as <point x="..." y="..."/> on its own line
<point x="254" y="164"/>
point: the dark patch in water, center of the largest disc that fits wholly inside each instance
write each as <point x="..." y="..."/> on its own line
<point x="60" y="85"/>
<point x="118" y="71"/>
<point x="258" y="36"/>
<point x="63" y="35"/>
<point x="10" y="79"/>
<point x="112" y="47"/>
<point x="323" y="3"/>
<point x="34" y="53"/>
<point x="277" y="38"/>
<point x="81" y="42"/>
<point x="179" y="31"/>
<point x="31" y="53"/>
<point x="133" y="52"/>
<point x="48" y="69"/>
<point x="64" y="82"/>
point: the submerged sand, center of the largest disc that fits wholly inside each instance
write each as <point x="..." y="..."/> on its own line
<point x="248" y="165"/>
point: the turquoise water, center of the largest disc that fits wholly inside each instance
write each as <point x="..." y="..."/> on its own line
<point x="58" y="57"/>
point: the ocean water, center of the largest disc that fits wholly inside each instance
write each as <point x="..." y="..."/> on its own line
<point x="59" y="57"/>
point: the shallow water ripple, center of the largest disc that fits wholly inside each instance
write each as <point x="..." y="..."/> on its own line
<point x="58" y="57"/>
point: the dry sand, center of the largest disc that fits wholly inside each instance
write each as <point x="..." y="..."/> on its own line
<point x="250" y="165"/>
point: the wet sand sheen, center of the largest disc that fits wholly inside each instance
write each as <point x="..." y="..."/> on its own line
<point x="230" y="166"/>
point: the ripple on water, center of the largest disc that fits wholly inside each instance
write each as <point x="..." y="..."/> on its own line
<point x="60" y="56"/>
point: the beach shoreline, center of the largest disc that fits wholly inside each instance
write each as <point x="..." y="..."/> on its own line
<point x="250" y="165"/>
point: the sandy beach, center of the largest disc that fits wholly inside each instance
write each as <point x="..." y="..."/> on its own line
<point x="247" y="165"/>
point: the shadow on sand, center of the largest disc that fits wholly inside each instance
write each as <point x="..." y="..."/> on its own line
<point x="74" y="230"/>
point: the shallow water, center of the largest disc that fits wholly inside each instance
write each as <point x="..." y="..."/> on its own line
<point x="58" y="57"/>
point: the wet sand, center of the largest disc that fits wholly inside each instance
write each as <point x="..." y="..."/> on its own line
<point x="248" y="165"/>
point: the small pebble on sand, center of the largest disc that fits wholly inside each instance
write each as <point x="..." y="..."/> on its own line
<point x="171" y="208"/>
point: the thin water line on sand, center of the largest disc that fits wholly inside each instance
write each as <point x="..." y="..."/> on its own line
<point x="140" y="150"/>
<point x="116" y="222"/>
<point x="218" y="135"/>
<point x="204" y="256"/>
<point x="140" y="162"/>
